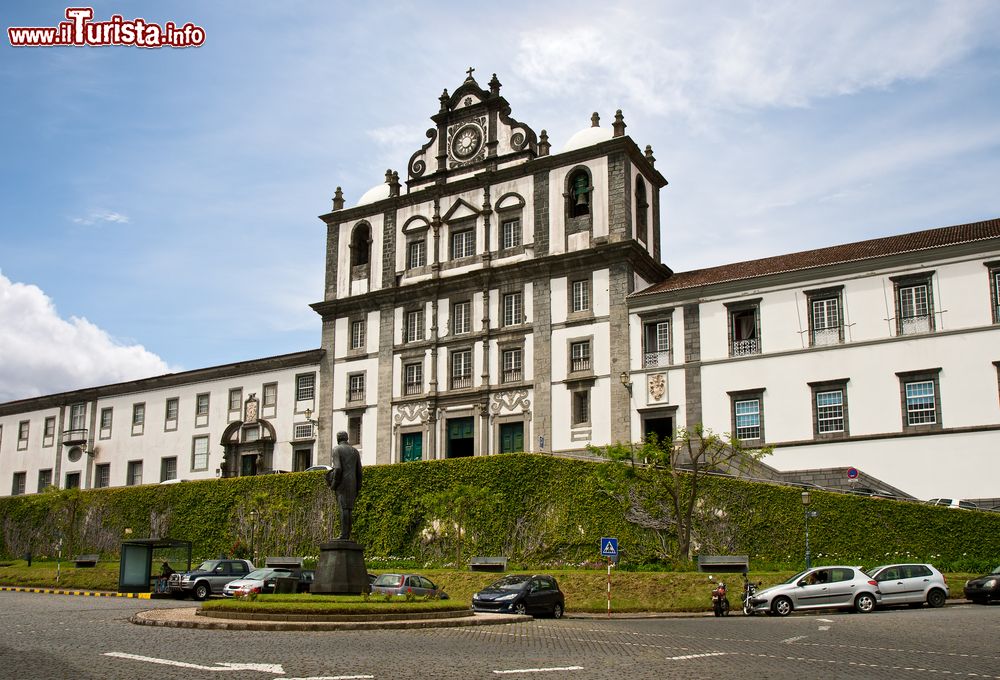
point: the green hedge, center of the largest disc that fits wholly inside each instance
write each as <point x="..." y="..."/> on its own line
<point x="537" y="510"/>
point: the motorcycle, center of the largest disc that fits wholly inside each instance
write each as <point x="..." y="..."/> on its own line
<point x="720" y="603"/>
<point x="749" y="590"/>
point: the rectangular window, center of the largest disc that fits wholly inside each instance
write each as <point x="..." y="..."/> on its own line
<point x="303" y="431"/>
<point x="168" y="468"/>
<point x="17" y="488"/>
<point x="830" y="411"/>
<point x="199" y="453"/>
<point x="354" y="430"/>
<point x="656" y="344"/>
<point x="747" y="419"/>
<point x="72" y="480"/>
<point x="461" y="369"/>
<point x="356" y="387"/>
<point x="302" y="460"/>
<point x="463" y="244"/>
<point x="994" y="268"/>
<point x="106" y="418"/>
<point x="50" y="427"/>
<point x="513" y="309"/>
<point x="461" y="317"/>
<point x="914" y="304"/>
<point x="201" y="405"/>
<point x="358" y="334"/>
<point x="235" y="399"/>
<point x="102" y="475"/>
<point x="78" y="417"/>
<point x="512" y="365"/>
<point x="172" y="410"/>
<point x="580" y="301"/>
<point x="826" y="325"/>
<point x="305" y="387"/>
<point x="415" y="325"/>
<point x="270" y="394"/>
<point x="581" y="407"/>
<point x="23" y="430"/>
<point x="416" y="254"/>
<point x="251" y="434"/>
<point x="44" y="480"/>
<point x="138" y="415"/>
<point x="413" y="378"/>
<point x="579" y="356"/>
<point x="134" y="473"/>
<point x="744" y="330"/>
<point x="920" y="403"/>
<point x="511" y="232"/>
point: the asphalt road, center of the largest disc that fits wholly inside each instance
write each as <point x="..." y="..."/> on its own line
<point x="53" y="636"/>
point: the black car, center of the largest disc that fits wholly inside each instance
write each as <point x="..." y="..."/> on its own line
<point x="985" y="588"/>
<point x="521" y="594"/>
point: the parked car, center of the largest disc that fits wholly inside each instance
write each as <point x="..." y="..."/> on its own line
<point x="401" y="584"/>
<point x="955" y="503"/>
<point x="911" y="584"/>
<point x="257" y="581"/>
<point x="985" y="588"/>
<point x="318" y="467"/>
<point x="820" y="588"/>
<point x="209" y="577"/>
<point x="521" y="594"/>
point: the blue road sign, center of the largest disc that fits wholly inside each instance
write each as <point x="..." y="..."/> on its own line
<point x="609" y="547"/>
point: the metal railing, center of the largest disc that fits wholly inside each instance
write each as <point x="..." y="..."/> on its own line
<point x="654" y="359"/>
<point x="742" y="348"/>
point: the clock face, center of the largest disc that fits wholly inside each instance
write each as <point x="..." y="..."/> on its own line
<point x="466" y="142"/>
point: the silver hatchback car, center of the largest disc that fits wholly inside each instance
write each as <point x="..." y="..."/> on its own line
<point x="911" y="584"/>
<point x="820" y="588"/>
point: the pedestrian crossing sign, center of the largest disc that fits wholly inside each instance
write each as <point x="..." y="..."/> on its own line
<point x="609" y="547"/>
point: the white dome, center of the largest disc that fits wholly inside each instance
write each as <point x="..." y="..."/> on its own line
<point x="588" y="137"/>
<point x="376" y="193"/>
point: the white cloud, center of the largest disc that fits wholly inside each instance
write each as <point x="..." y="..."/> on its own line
<point x="43" y="353"/>
<point x="102" y="216"/>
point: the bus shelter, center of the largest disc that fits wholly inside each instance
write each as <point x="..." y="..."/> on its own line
<point x="135" y="572"/>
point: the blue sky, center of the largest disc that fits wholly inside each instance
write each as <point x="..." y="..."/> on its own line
<point x="159" y="206"/>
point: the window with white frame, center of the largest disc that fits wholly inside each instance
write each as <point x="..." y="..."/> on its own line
<point x="744" y="328"/>
<point x="994" y="270"/>
<point x="461" y="317"/>
<point x="173" y="408"/>
<point x="826" y="323"/>
<point x="510" y="229"/>
<point x="78" y="417"/>
<point x="168" y="468"/>
<point x="235" y="398"/>
<point x="133" y="475"/>
<point x="463" y="243"/>
<point x="138" y="415"/>
<point x="512" y="369"/>
<point x="748" y="415"/>
<point x="44" y="479"/>
<point x="358" y="333"/>
<point x="830" y="411"/>
<point x="102" y="475"/>
<point x="305" y="386"/>
<point x="656" y="343"/>
<point x="580" y="296"/>
<point x="914" y="304"/>
<point x="416" y="254"/>
<point x="356" y="387"/>
<point x="461" y="369"/>
<point x="23" y="430"/>
<point x="50" y="428"/>
<point x="303" y="431"/>
<point x="513" y="308"/>
<point x="199" y="453"/>
<point x="920" y="399"/>
<point x="414" y="326"/>
<point x="107" y="418"/>
<point x="579" y="356"/>
<point x="201" y="405"/>
<point x="270" y="395"/>
<point x="413" y="380"/>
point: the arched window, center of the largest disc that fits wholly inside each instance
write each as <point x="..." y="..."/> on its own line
<point x="578" y="193"/>
<point x="641" y="209"/>
<point x="360" y="244"/>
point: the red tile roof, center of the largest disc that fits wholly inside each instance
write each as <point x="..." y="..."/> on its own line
<point x="848" y="252"/>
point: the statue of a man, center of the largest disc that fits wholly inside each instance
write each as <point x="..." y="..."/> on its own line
<point x="345" y="480"/>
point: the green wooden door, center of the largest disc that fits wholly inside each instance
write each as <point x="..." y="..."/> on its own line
<point x="413" y="446"/>
<point x="511" y="437"/>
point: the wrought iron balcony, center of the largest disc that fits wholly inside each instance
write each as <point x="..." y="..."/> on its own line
<point x="654" y="359"/>
<point x="911" y="325"/>
<point x="826" y="336"/>
<point x="511" y="375"/>
<point x="413" y="388"/>
<point x="578" y="365"/>
<point x="745" y="347"/>
<point x="461" y="382"/>
<point x="74" y="437"/>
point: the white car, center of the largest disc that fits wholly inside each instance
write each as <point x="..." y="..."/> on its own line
<point x="820" y="588"/>
<point x="911" y="584"/>
<point x="954" y="503"/>
<point x="253" y="582"/>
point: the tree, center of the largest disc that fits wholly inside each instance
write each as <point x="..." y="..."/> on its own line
<point x="666" y="499"/>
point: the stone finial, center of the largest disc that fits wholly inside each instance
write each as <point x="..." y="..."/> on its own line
<point x="394" y="184"/>
<point x="338" y="199"/>
<point x="543" y="144"/>
<point x="444" y="99"/>
<point x="619" y="124"/>
<point x="494" y="85"/>
<point x="595" y="120"/>
<point x="649" y="155"/>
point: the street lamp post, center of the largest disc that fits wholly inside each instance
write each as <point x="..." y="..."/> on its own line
<point x="806" y="500"/>
<point x="253" y="545"/>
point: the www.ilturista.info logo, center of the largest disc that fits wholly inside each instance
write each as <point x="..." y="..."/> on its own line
<point x="80" y="31"/>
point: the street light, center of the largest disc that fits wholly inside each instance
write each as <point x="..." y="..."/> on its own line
<point x="806" y="500"/>
<point x="253" y="526"/>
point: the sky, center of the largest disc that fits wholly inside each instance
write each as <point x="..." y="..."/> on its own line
<point x="159" y="206"/>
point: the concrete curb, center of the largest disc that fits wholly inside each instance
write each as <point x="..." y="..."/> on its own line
<point x="82" y="593"/>
<point x="186" y="618"/>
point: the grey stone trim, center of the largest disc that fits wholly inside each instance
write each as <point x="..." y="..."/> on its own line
<point x="747" y="395"/>
<point x="388" y="249"/>
<point x="324" y="429"/>
<point x="913" y="279"/>
<point x="91" y="435"/>
<point x="619" y="197"/>
<point x="619" y="286"/>
<point x="924" y="375"/>
<point x="332" y="258"/>
<point x="692" y="365"/>
<point x="383" y="440"/>
<point x="993" y="278"/>
<point x="541" y="206"/>
<point x="830" y="386"/>
<point x="542" y="368"/>
<point x="888" y="435"/>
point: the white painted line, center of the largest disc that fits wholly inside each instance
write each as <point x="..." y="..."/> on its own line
<point x="824" y="628"/>
<point x="825" y="620"/>
<point x="695" y="656"/>
<point x="222" y="666"/>
<point x="334" y="677"/>
<point x="790" y="640"/>
<point x="539" y="670"/>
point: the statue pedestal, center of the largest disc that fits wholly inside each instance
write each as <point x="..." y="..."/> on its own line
<point x="341" y="569"/>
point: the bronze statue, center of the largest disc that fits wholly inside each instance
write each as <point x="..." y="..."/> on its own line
<point x="345" y="480"/>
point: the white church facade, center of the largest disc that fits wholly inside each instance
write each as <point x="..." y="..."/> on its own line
<point x="511" y="297"/>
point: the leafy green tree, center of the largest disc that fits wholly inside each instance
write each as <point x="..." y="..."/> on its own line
<point x="666" y="498"/>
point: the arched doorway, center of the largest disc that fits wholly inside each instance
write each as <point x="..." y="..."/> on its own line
<point x="248" y="449"/>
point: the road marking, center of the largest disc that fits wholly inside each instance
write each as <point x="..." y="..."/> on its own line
<point x="539" y="670"/>
<point x="333" y="677"/>
<point x="824" y="628"/>
<point x="695" y="656"/>
<point x="222" y="666"/>
<point x="790" y="640"/>
<point x="825" y="620"/>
